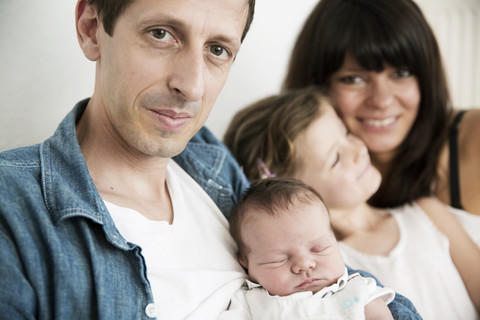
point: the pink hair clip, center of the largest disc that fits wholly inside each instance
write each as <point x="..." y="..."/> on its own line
<point x="263" y="170"/>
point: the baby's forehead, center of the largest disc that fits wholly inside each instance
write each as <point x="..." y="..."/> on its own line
<point x="293" y="208"/>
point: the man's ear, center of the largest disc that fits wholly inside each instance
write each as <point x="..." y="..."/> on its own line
<point x="87" y="24"/>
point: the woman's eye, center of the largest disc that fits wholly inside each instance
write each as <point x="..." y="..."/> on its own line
<point x="350" y="79"/>
<point x="218" y="51"/>
<point x="403" y="73"/>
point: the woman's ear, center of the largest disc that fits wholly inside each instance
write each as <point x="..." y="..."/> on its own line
<point x="87" y="24"/>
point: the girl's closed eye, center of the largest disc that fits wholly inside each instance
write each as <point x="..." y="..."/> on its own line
<point x="337" y="157"/>
<point x="336" y="160"/>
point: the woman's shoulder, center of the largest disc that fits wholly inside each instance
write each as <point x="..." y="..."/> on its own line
<point x="468" y="160"/>
<point x="469" y="131"/>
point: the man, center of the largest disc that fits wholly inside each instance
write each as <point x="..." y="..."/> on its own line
<point x="98" y="221"/>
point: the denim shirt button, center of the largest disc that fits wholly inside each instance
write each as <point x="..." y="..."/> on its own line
<point x="151" y="310"/>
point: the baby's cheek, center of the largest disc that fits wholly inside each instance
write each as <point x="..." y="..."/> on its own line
<point x="278" y="284"/>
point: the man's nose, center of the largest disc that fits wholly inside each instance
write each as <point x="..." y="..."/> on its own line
<point x="188" y="76"/>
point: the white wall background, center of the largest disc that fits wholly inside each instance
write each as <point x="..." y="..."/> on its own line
<point x="43" y="72"/>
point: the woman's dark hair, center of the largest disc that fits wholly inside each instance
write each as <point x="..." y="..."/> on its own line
<point x="110" y="10"/>
<point x="375" y="32"/>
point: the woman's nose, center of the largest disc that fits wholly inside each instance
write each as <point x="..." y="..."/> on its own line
<point x="380" y="94"/>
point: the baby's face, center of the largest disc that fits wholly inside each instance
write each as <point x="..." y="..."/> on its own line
<point x="294" y="251"/>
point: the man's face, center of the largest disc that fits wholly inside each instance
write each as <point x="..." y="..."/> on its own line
<point x="160" y="73"/>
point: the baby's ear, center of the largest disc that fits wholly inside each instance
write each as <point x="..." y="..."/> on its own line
<point x="242" y="262"/>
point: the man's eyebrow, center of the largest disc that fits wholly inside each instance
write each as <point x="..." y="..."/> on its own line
<point x="232" y="44"/>
<point x="181" y="26"/>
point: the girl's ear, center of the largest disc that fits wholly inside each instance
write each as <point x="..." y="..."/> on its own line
<point x="87" y="24"/>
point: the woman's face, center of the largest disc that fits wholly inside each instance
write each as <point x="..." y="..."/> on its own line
<point x="378" y="107"/>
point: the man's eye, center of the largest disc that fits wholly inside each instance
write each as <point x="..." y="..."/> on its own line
<point x="160" y="33"/>
<point x="219" y="51"/>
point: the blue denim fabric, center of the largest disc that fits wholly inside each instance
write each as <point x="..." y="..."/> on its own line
<point x="61" y="256"/>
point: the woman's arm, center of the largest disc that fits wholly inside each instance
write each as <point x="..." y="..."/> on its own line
<point x="464" y="252"/>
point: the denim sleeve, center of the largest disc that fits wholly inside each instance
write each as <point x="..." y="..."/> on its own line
<point x="17" y="298"/>
<point x="401" y="308"/>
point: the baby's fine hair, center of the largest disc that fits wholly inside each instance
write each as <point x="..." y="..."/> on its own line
<point x="268" y="196"/>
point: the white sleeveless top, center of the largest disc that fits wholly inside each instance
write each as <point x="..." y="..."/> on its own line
<point x="419" y="267"/>
<point x="191" y="264"/>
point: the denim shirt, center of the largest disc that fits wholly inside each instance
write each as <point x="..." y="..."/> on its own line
<point x="61" y="256"/>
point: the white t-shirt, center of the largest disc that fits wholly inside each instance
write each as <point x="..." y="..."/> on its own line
<point x="191" y="264"/>
<point x="419" y="267"/>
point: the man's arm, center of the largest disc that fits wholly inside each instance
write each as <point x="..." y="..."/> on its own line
<point x="17" y="298"/>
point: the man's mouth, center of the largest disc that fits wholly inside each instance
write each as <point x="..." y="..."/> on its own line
<point x="171" y="119"/>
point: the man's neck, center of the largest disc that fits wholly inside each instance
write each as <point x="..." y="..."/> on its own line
<point x="122" y="177"/>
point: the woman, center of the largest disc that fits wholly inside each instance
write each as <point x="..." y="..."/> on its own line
<point x="419" y="249"/>
<point x="381" y="63"/>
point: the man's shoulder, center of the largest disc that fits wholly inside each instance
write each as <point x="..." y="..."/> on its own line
<point x="21" y="158"/>
<point x="203" y="152"/>
<point x="209" y="162"/>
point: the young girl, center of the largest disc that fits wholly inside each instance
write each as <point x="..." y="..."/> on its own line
<point x="419" y="249"/>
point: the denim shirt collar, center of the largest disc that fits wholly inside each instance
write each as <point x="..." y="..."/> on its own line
<point x="67" y="186"/>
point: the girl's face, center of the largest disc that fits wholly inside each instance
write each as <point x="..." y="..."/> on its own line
<point x="334" y="162"/>
<point x="378" y="107"/>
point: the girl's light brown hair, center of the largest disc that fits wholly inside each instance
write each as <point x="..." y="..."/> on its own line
<point x="267" y="129"/>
